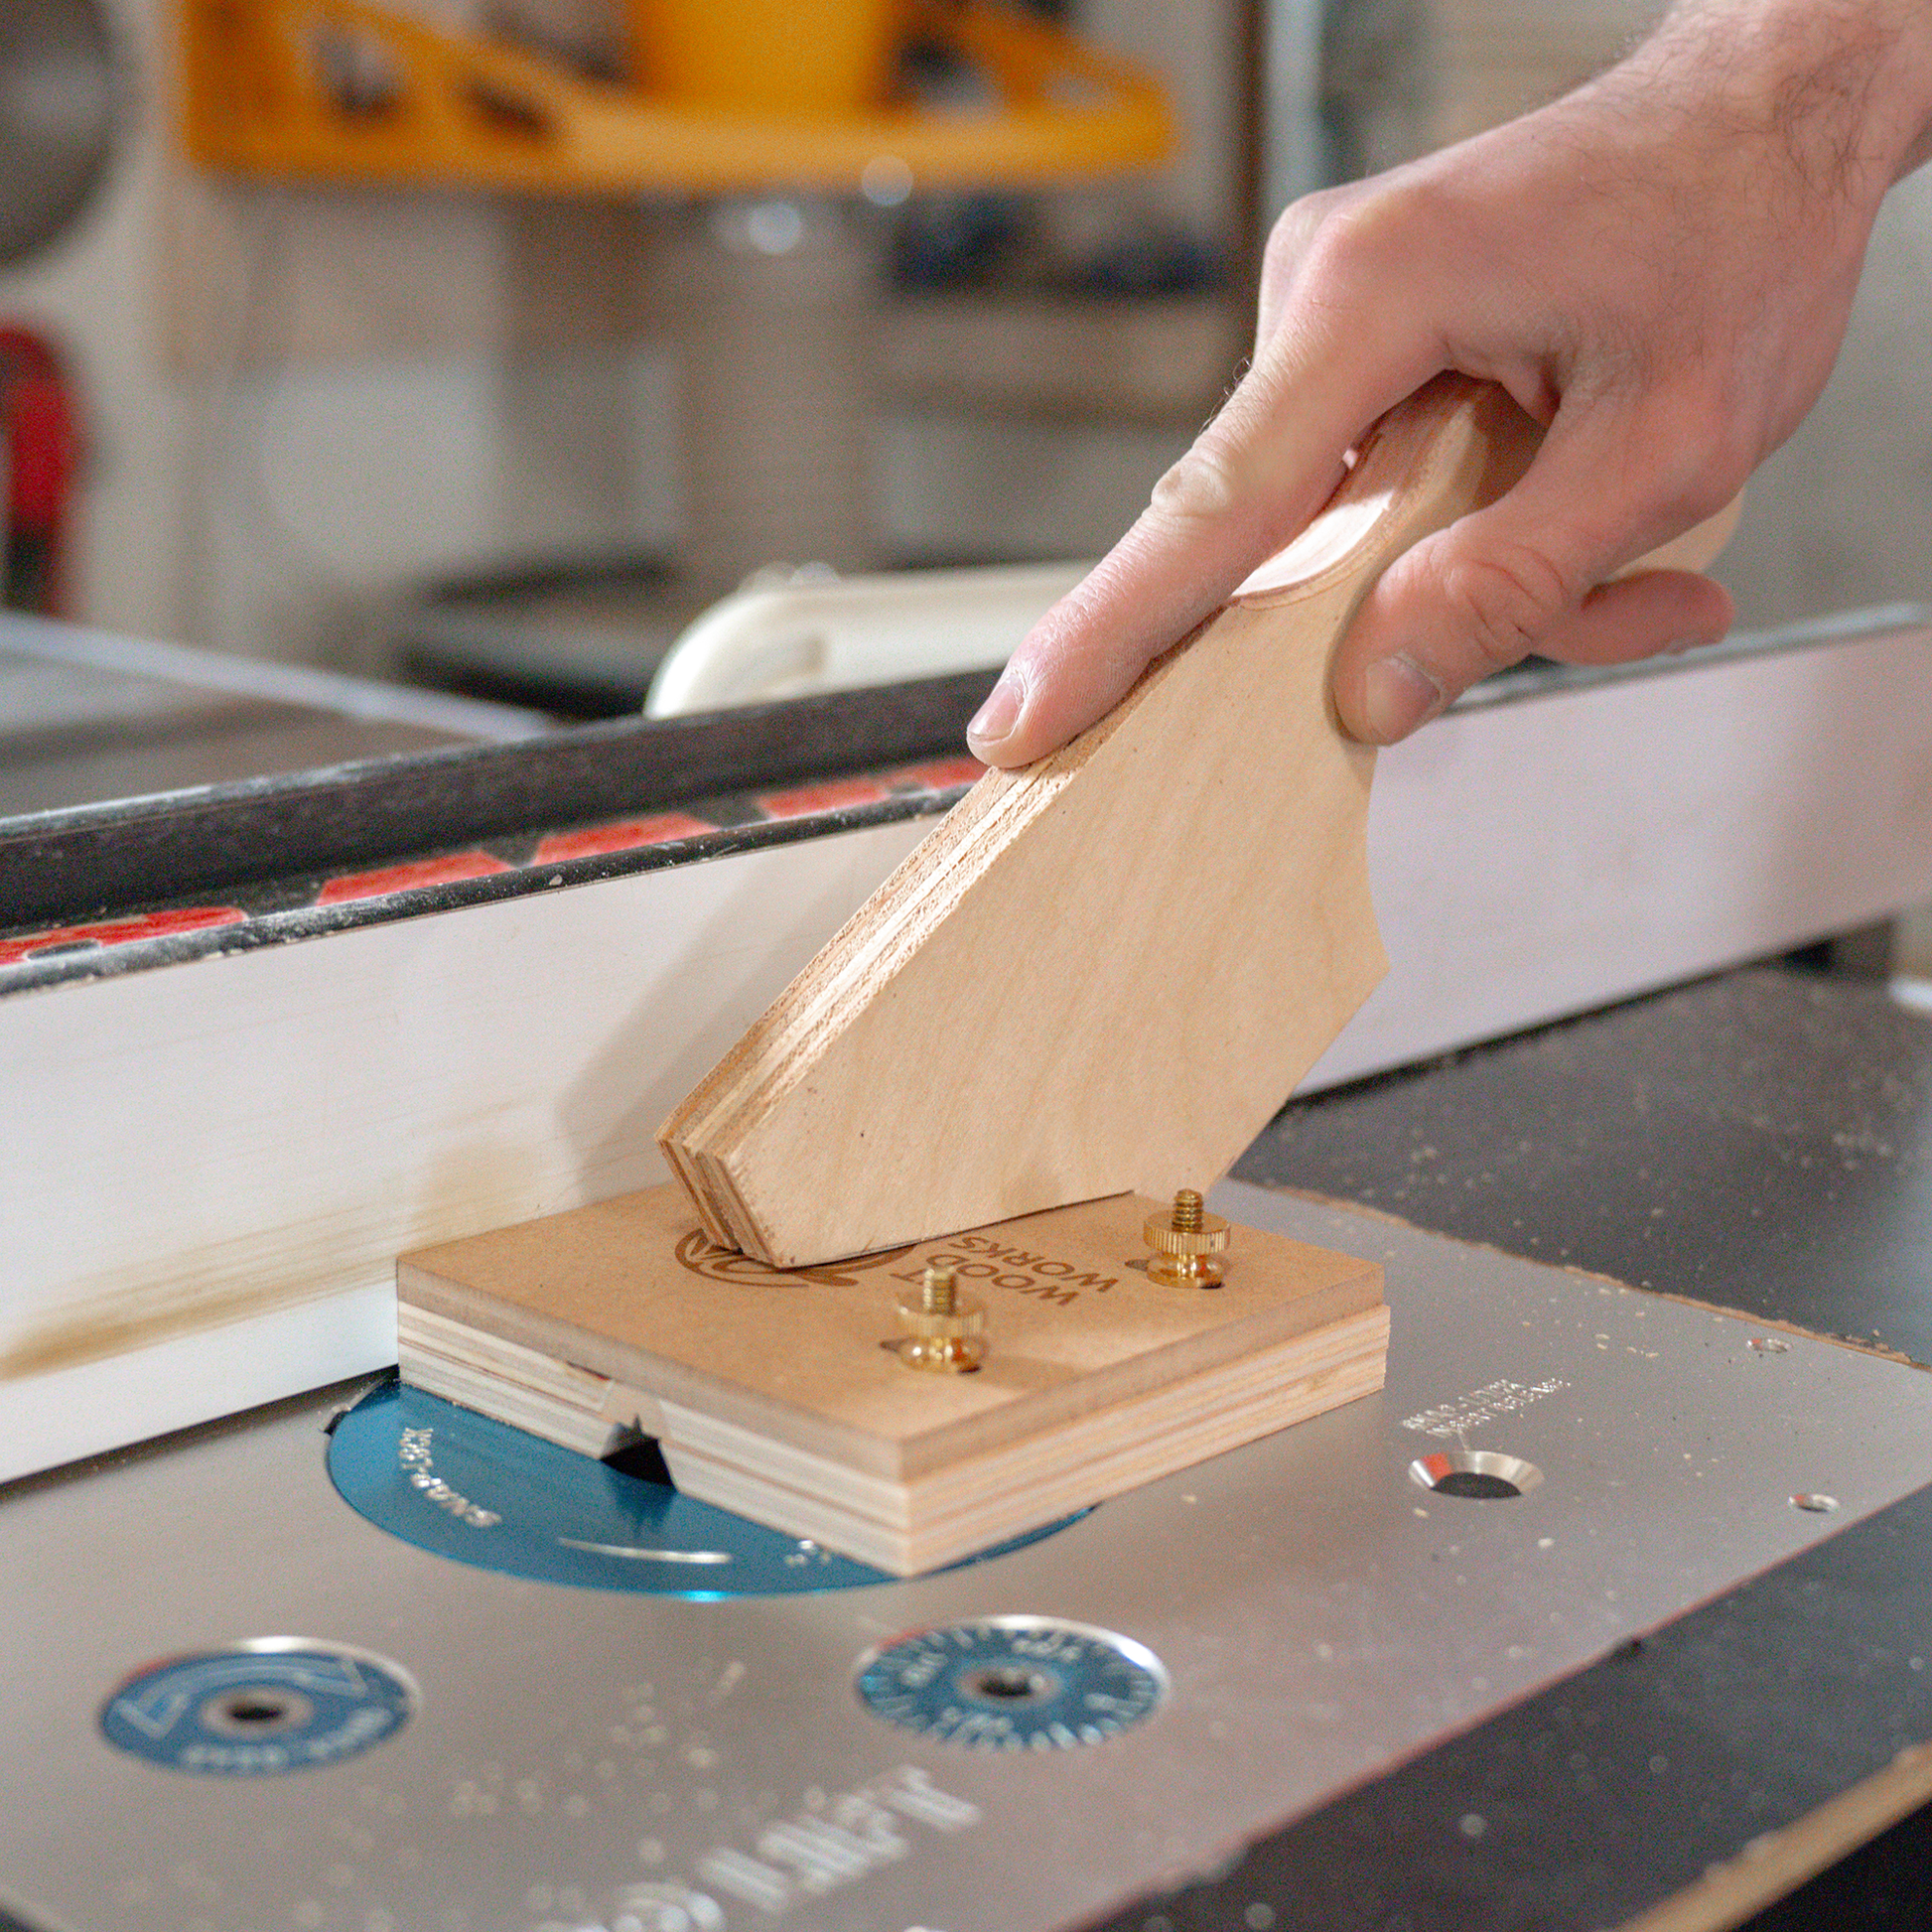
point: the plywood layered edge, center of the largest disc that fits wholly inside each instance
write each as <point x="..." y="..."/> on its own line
<point x="776" y="1395"/>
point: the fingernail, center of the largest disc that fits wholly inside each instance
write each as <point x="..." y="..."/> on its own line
<point x="1397" y="696"/>
<point x="998" y="714"/>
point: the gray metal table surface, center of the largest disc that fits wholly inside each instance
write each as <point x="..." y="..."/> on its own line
<point x="1763" y="1142"/>
<point x="87" y="717"/>
<point x="1460" y="1702"/>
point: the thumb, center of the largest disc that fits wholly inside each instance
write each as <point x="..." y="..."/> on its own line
<point x="1527" y="574"/>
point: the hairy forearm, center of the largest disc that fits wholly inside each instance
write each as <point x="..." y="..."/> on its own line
<point x="1846" y="84"/>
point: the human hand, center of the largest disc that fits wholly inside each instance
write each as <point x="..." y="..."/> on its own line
<point x="1658" y="267"/>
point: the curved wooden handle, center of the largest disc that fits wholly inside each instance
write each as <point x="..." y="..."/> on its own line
<point x="1453" y="447"/>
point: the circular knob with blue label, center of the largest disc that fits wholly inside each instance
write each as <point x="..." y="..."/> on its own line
<point x="262" y="1708"/>
<point x="1013" y="1683"/>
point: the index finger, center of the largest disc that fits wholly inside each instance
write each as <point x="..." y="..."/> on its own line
<point x="1269" y="460"/>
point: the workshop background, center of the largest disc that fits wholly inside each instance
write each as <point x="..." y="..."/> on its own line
<point x="511" y="443"/>
<point x="303" y="411"/>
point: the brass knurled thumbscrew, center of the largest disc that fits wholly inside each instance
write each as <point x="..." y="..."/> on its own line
<point x="1187" y="1244"/>
<point x="945" y="1331"/>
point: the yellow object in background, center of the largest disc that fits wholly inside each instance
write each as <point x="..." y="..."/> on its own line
<point x="778" y="58"/>
<point x="733" y="95"/>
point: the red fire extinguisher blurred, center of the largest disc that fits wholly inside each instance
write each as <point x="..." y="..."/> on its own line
<point x="42" y="446"/>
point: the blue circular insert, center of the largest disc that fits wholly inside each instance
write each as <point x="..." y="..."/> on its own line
<point x="462" y="1486"/>
<point x="1013" y="1684"/>
<point x="259" y="1708"/>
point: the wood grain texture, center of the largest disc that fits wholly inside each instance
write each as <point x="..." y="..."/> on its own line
<point x="1105" y="972"/>
<point x="773" y="1393"/>
<point x="1778" y="1861"/>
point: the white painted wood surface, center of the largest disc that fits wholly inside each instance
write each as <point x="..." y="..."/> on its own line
<point x="1547" y="856"/>
<point x="206" y="1170"/>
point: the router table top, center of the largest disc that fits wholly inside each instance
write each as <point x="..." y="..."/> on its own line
<point x="1761" y="1141"/>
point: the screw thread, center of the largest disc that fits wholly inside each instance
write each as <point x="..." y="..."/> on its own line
<point x="1186" y="1211"/>
<point x="936" y="1292"/>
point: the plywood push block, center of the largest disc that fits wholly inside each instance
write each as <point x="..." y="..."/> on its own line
<point x="1088" y="987"/>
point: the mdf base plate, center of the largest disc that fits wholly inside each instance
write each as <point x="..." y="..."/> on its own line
<point x="782" y="1395"/>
